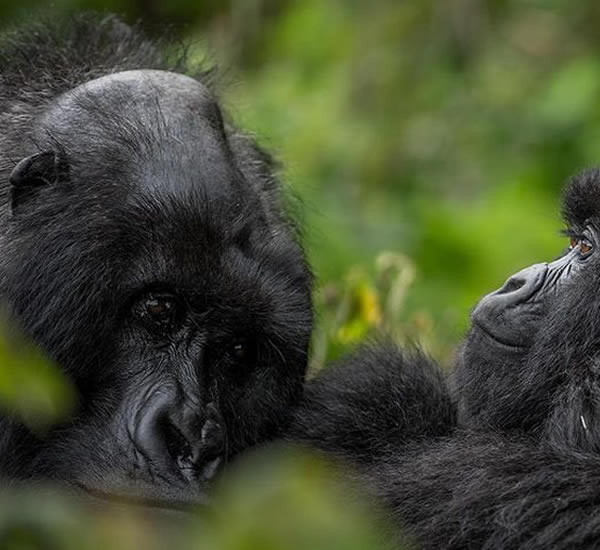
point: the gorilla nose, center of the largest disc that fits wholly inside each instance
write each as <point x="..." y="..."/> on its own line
<point x="521" y="286"/>
<point x="195" y="444"/>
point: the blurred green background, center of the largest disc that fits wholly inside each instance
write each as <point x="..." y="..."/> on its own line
<point x="427" y="141"/>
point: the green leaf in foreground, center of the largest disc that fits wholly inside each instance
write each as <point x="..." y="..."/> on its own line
<point x="31" y="387"/>
<point x="286" y="500"/>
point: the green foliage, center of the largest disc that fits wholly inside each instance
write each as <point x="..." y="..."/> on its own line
<point x="285" y="499"/>
<point x="30" y="387"/>
<point x="46" y="519"/>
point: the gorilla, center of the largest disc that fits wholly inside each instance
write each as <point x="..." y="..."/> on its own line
<point x="146" y="248"/>
<point x="506" y="452"/>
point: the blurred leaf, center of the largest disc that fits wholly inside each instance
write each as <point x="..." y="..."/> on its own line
<point x="287" y="500"/>
<point x="30" y="386"/>
<point x="48" y="519"/>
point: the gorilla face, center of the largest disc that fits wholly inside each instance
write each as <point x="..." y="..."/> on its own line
<point x="144" y="256"/>
<point x="534" y="343"/>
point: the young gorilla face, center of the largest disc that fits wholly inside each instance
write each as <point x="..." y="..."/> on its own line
<point x="531" y="359"/>
<point x="146" y="255"/>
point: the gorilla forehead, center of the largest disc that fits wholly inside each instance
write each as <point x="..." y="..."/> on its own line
<point x="179" y="101"/>
<point x="145" y="129"/>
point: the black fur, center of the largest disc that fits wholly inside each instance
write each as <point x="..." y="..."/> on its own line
<point x="372" y="402"/>
<point x="491" y="491"/>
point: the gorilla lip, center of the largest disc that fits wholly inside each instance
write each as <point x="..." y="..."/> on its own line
<point x="499" y="340"/>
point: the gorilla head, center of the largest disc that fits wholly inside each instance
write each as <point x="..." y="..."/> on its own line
<point x="144" y="247"/>
<point x="532" y="358"/>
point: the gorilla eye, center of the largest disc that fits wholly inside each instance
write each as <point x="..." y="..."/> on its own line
<point x="160" y="309"/>
<point x="241" y="351"/>
<point x="585" y="247"/>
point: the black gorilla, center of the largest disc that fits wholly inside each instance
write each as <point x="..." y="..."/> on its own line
<point x="144" y="245"/>
<point x="507" y="454"/>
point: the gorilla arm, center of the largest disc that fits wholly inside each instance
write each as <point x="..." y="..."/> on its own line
<point x="378" y="399"/>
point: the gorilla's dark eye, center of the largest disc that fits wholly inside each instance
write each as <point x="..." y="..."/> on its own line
<point x="160" y="309"/>
<point x="241" y="351"/>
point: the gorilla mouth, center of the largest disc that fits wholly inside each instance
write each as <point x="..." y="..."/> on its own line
<point x="511" y="344"/>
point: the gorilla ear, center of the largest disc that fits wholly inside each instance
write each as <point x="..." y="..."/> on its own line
<point x="32" y="173"/>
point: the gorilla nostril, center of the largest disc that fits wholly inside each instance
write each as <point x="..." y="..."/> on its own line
<point x="213" y="450"/>
<point x="178" y="448"/>
<point x="198" y="452"/>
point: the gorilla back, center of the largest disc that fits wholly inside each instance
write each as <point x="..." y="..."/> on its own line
<point x="144" y="246"/>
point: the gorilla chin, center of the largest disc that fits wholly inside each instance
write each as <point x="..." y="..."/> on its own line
<point x="146" y="249"/>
